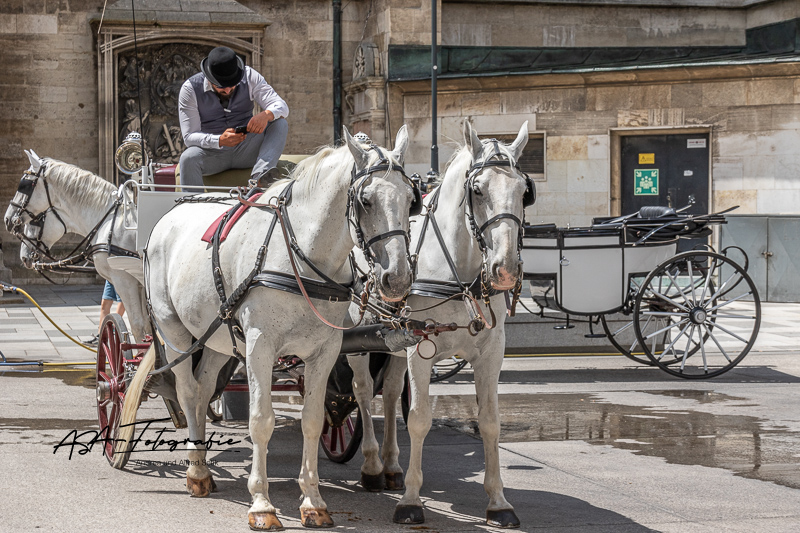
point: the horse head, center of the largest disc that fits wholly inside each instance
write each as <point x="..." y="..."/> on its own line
<point x="496" y="194"/>
<point x="381" y="199"/>
<point x="38" y="236"/>
<point x="30" y="198"/>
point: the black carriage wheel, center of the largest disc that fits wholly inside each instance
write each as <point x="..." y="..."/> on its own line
<point x="632" y="349"/>
<point x="340" y="442"/>
<point x="629" y="351"/>
<point x="716" y="301"/>
<point x="111" y="385"/>
<point x="447" y="368"/>
<point x="214" y="411"/>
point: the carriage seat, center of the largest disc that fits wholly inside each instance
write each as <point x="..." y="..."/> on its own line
<point x="171" y="175"/>
<point x="655" y="211"/>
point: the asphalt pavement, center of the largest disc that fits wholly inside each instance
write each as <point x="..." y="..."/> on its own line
<point x="588" y="444"/>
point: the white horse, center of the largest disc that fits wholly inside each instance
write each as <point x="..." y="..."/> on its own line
<point x="482" y="178"/>
<point x="338" y="193"/>
<point x="55" y="198"/>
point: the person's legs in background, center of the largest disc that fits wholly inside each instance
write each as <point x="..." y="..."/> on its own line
<point x="109" y="297"/>
<point x="197" y="162"/>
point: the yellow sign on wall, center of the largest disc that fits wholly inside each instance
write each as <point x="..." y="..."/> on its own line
<point x="647" y="159"/>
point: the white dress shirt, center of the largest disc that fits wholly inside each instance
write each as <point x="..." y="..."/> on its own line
<point x="260" y="92"/>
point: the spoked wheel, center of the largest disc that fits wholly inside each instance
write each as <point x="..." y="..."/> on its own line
<point x="111" y="385"/>
<point x="340" y="442"/>
<point x="705" y="310"/>
<point x="214" y="411"/>
<point x="624" y="338"/>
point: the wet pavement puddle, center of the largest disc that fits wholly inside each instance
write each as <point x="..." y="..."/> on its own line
<point x="740" y="444"/>
<point x="687" y="437"/>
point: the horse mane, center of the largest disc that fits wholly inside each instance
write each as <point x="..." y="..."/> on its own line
<point x="461" y="160"/>
<point x="83" y="187"/>
<point x="327" y="161"/>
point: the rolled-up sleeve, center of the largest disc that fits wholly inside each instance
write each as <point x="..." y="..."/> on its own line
<point x="189" y="117"/>
<point x="265" y="96"/>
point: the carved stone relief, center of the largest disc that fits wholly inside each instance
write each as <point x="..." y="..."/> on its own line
<point x="161" y="72"/>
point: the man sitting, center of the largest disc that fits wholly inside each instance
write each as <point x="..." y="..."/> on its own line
<point x="213" y="103"/>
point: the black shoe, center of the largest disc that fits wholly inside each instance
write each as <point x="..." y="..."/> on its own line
<point x="269" y="177"/>
<point x="94" y="341"/>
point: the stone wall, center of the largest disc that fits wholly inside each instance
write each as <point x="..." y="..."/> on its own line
<point x="754" y="124"/>
<point x="468" y="24"/>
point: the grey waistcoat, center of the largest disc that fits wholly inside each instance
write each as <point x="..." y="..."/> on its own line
<point x="213" y="117"/>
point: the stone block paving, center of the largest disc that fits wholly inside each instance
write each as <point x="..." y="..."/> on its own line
<point x="26" y="335"/>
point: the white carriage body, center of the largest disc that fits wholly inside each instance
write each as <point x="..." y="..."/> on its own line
<point x="590" y="268"/>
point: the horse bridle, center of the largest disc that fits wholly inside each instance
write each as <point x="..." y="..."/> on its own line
<point x="528" y="199"/>
<point x="26" y="187"/>
<point x="354" y="198"/>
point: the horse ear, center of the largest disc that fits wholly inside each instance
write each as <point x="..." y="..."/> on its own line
<point x="359" y="154"/>
<point x="472" y="141"/>
<point x="519" y="143"/>
<point x="36" y="162"/>
<point x="401" y="144"/>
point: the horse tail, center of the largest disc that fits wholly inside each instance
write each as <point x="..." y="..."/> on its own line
<point x="133" y="395"/>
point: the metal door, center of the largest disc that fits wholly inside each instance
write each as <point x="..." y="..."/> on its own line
<point x="772" y="245"/>
<point x="783" y="260"/>
<point x="750" y="234"/>
<point x="667" y="170"/>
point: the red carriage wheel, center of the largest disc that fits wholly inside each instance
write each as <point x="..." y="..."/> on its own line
<point x="110" y="375"/>
<point x="340" y="442"/>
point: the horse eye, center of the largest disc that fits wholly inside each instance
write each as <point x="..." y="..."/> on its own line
<point x="476" y="190"/>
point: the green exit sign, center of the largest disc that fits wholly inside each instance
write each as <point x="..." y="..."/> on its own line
<point x="645" y="182"/>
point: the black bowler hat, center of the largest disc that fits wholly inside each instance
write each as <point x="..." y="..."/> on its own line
<point x="223" y="67"/>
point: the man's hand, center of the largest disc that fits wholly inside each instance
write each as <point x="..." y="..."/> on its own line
<point x="260" y="122"/>
<point x="229" y="138"/>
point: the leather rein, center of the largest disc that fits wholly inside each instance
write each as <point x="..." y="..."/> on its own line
<point x="229" y="304"/>
<point x="75" y="261"/>
<point x="480" y="286"/>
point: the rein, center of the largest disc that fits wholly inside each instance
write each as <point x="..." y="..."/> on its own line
<point x="74" y="262"/>
<point x="229" y="304"/>
<point x="468" y="293"/>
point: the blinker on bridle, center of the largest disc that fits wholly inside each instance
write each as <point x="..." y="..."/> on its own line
<point x="356" y="190"/>
<point x="26" y="187"/>
<point x="496" y="159"/>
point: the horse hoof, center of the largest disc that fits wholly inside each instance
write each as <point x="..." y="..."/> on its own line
<point x="264" y="522"/>
<point x="408" y="514"/>
<point x="394" y="481"/>
<point x="315" y="518"/>
<point x="372" y="483"/>
<point x="502" y="518"/>
<point x="199" y="488"/>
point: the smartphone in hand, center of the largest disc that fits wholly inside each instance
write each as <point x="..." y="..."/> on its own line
<point x="240" y="129"/>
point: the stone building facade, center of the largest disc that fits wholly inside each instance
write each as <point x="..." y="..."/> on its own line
<point x="733" y="79"/>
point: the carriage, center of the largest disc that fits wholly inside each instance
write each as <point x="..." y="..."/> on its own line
<point x="695" y="313"/>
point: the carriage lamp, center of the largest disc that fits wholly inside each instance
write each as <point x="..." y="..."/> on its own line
<point x="129" y="158"/>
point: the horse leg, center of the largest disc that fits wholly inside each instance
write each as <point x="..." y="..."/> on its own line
<point x="392" y="389"/>
<point x="409" y="508"/>
<point x="314" y="510"/>
<point x="194" y="391"/>
<point x="363" y="386"/>
<point x="499" y="513"/>
<point x="262" y="515"/>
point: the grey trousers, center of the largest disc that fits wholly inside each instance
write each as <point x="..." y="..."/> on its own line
<point x="259" y="151"/>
